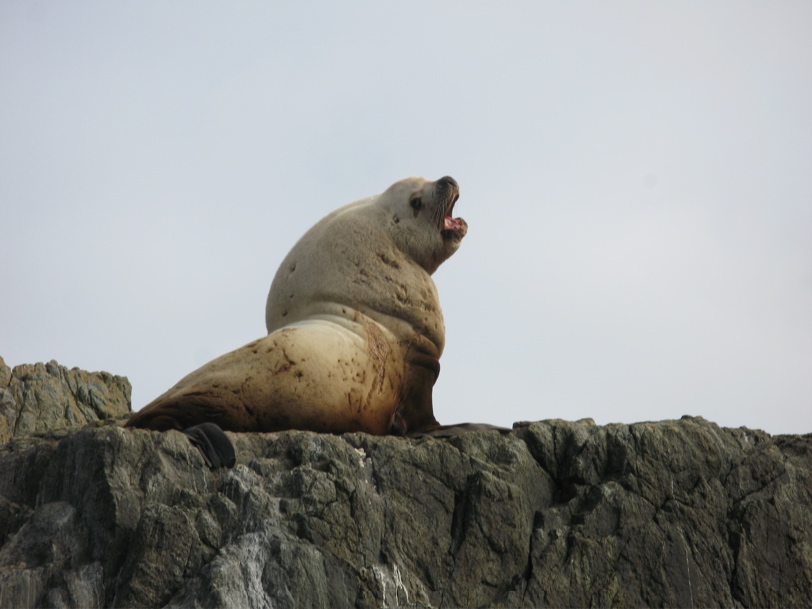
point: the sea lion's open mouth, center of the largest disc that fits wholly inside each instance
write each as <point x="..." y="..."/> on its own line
<point x="447" y="192"/>
<point x="449" y="222"/>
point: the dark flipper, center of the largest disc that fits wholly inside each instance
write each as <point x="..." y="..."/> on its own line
<point x="213" y="444"/>
<point x="415" y="410"/>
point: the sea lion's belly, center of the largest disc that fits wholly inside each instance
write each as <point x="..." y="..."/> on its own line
<point x="329" y="374"/>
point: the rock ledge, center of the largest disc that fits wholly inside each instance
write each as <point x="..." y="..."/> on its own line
<point x="672" y="514"/>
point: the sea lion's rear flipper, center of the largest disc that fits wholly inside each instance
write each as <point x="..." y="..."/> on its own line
<point x="209" y="438"/>
<point x="213" y="444"/>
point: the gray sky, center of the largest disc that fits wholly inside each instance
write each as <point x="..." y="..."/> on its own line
<point x="636" y="176"/>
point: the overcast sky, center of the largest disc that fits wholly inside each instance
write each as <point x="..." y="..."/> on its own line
<point x="636" y="176"/>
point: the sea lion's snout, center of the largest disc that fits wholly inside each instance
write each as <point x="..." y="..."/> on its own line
<point x="448" y="181"/>
<point x="447" y="190"/>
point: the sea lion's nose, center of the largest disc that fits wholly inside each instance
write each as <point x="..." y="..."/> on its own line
<point x="448" y="181"/>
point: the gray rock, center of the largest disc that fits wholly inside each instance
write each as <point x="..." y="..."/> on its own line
<point x="670" y="514"/>
<point x="37" y="398"/>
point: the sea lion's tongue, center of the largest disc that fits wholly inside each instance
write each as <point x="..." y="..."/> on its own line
<point x="450" y="223"/>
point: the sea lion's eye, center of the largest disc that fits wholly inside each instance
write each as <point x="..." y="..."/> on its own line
<point x="417" y="203"/>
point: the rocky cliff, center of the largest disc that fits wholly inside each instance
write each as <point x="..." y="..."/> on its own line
<point x="42" y="397"/>
<point x="555" y="513"/>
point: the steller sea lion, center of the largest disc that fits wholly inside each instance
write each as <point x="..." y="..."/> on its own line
<point x="355" y="329"/>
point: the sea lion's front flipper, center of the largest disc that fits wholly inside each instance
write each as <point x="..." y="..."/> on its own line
<point x="213" y="444"/>
<point x="415" y="411"/>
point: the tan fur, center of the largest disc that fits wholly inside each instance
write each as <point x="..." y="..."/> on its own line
<point x="355" y="328"/>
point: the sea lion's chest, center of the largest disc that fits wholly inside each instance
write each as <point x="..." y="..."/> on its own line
<point x="342" y="261"/>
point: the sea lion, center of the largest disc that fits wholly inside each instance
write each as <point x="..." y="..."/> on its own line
<point x="355" y="328"/>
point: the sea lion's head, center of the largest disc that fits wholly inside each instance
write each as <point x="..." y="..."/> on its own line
<point x="420" y="219"/>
